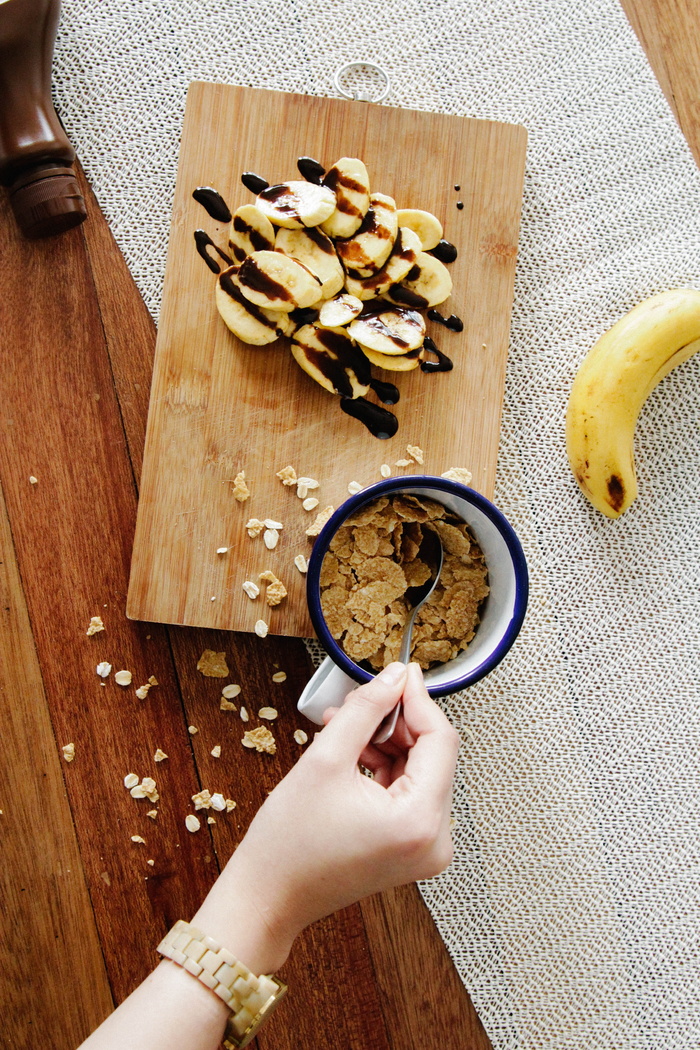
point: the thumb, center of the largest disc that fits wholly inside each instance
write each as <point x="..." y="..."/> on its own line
<point x="354" y="724"/>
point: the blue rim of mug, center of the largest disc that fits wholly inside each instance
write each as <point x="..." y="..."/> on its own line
<point x="381" y="488"/>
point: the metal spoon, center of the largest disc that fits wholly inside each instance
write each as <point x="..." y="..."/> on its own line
<point x="418" y="596"/>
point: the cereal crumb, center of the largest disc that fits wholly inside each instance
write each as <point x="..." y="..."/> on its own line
<point x="415" y="453"/>
<point x="222" y="550"/>
<point x="226" y="705"/>
<point x="212" y="665"/>
<point x="251" y="589"/>
<point x="279" y="676"/>
<point x="270" y="713"/>
<point x="68" y="752"/>
<point x="230" y="804"/>
<point x="244" y="714"/>
<point x="385" y="470"/>
<point x="458" y="474"/>
<point x="218" y="802"/>
<point x="210" y="820"/>
<point x="241" y="492"/>
<point x="271" y="538"/>
<point x="130" y="781"/>
<point x="216" y="751"/>
<point x="123" y="677"/>
<point x="261" y="739"/>
<point x="402" y="463"/>
<point x="300" y="736"/>
<point x="96" y="626"/>
<point x="142" y="691"/>
<point x="152" y="680"/>
<point x="354" y="487"/>
<point x="254" y="527"/>
<point x="275" y="592"/>
<point x="152" y="813"/>
<point x="270" y="523"/>
<point x="192" y="822"/>
<point x="229" y="691"/>
<point x="103" y="669"/>
<point x="202" y="800"/>
<point x="287" y="475"/>
<point x="321" y="519"/>
<point x="192" y="730"/>
<point x="137" y="838"/>
<point x="151" y="862"/>
<point x="301" y="563"/>
<point x="261" y="628"/>
<point x="33" y="480"/>
<point x="159" y="755"/>
<point x="309" y="483"/>
<point x="310" y="503"/>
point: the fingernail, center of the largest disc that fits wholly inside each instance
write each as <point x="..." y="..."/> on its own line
<point x="393" y="673"/>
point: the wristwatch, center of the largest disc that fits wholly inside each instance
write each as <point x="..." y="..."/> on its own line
<point x="251" y="999"/>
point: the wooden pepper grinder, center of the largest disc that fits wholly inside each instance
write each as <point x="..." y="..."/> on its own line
<point x="35" y="155"/>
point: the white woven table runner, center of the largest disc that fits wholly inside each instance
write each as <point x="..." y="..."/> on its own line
<point x="572" y="909"/>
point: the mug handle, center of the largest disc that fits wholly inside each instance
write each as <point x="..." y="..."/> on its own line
<point x="328" y="688"/>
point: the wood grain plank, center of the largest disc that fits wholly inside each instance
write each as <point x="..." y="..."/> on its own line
<point x="47" y="913"/>
<point x="218" y="407"/>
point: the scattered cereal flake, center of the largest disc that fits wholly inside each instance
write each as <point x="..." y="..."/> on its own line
<point x="96" y="626"/>
<point x="210" y="820"/>
<point x="354" y="487"/>
<point x="254" y="527"/>
<point x="137" y="838"/>
<point x="159" y="755"/>
<point x="271" y="538"/>
<point x="68" y="752"/>
<point x="226" y="705"/>
<point x="123" y="677"/>
<point x="213" y="598"/>
<point x="301" y="563"/>
<point x="138" y="791"/>
<point x="151" y="862"/>
<point x="310" y="483"/>
<point x="130" y="780"/>
<point x="202" y="800"/>
<point x="241" y="492"/>
<point x="458" y="474"/>
<point x="142" y="691"/>
<point x="310" y="503"/>
<point x="385" y="470"/>
<point x="212" y="665"/>
<point x="270" y="523"/>
<point x="230" y="804"/>
<point x="192" y="822"/>
<point x="402" y="463"/>
<point x="33" y="480"/>
<point x="270" y="713"/>
<point x="261" y="628"/>
<point x="222" y="550"/>
<point x="103" y="669"/>
<point x="321" y="519"/>
<point x="279" y="676"/>
<point x="302" y="491"/>
<point x="244" y="714"/>
<point x="300" y="736"/>
<point x="275" y="591"/>
<point x="261" y="739"/>
<point x="192" y="730"/>
<point x="229" y="691"/>
<point x="152" y="680"/>
<point x="148" y="784"/>
<point x="415" y="453"/>
<point x="287" y="475"/>
<point x="152" y="813"/>
<point x="218" y="802"/>
<point x="216" y="751"/>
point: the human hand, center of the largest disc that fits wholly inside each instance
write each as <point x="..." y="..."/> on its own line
<point x="329" y="835"/>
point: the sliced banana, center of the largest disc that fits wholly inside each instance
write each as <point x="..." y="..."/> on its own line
<point x="277" y="282"/>
<point x="312" y="248"/>
<point x="335" y="313"/>
<point x="296" y="204"/>
<point x="399" y="264"/>
<point x="250" y="231"/>
<point x="250" y="323"/>
<point x="390" y="331"/>
<point x="331" y="357"/>
<point x="427" y="284"/>
<point x="393" y="362"/>
<point x="367" y="250"/>
<point x="426" y="225"/>
<point x="349" y="181"/>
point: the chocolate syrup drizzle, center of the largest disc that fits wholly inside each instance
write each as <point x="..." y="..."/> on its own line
<point x="204" y="243"/>
<point x="213" y="203"/>
<point x="387" y="393"/>
<point x="454" y="323"/>
<point x="311" y="170"/>
<point x="254" y="183"/>
<point x="445" y="251"/>
<point x="443" y="363"/>
<point x="379" y="421"/>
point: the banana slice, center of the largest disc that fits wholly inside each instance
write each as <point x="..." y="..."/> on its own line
<point x="312" y="248"/>
<point x="250" y="231"/>
<point x="273" y="280"/>
<point x="399" y="264"/>
<point x="250" y="323"/>
<point x="367" y="250"/>
<point x="349" y="181"/>
<point x="427" y="284"/>
<point x="424" y="224"/>
<point x="331" y="357"/>
<point x="335" y="313"/>
<point x="296" y="204"/>
<point x="393" y="362"/>
<point x="389" y="331"/>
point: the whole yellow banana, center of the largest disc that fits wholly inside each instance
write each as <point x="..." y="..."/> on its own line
<point x="613" y="383"/>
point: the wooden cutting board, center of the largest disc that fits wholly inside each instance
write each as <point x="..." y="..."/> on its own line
<point x="218" y="406"/>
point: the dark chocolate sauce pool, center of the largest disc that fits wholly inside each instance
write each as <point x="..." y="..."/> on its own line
<point x="204" y="244"/>
<point x="213" y="203"/>
<point x="445" y="251"/>
<point x="443" y="362"/>
<point x="311" y="170"/>
<point x="387" y="393"/>
<point x="454" y="323"/>
<point x="254" y="183"/>
<point x="379" y="421"/>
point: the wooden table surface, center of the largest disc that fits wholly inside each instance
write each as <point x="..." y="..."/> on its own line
<point x="81" y="907"/>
